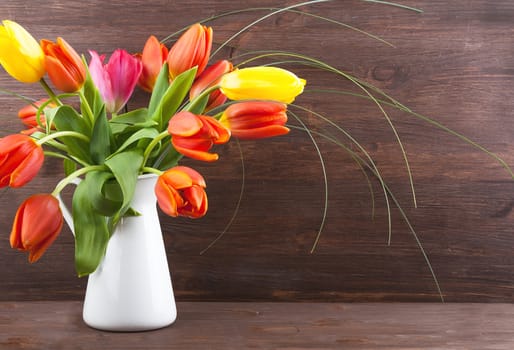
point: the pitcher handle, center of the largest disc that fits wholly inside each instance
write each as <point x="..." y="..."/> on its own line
<point x="66" y="213"/>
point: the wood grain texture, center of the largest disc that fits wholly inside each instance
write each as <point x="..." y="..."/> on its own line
<point x="58" y="325"/>
<point x="454" y="63"/>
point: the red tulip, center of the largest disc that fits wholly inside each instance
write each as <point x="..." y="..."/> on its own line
<point x="20" y="160"/>
<point x="28" y="114"/>
<point x="194" y="135"/>
<point x="37" y="224"/>
<point x="210" y="77"/>
<point x="255" y="119"/>
<point x="180" y="191"/>
<point x="64" y="66"/>
<point x="153" y="57"/>
<point x="192" y="49"/>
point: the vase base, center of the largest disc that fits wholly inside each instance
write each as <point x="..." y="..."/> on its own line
<point x="129" y="327"/>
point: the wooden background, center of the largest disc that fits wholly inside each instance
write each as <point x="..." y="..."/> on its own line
<point x="454" y="63"/>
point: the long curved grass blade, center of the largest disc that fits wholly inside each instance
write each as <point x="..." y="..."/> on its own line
<point x="325" y="179"/>
<point x="238" y="204"/>
<point x="357" y="161"/>
<point x="21" y="97"/>
<point x="325" y="66"/>
<point x="372" y="168"/>
<point x="263" y="18"/>
<point x="395" y="4"/>
<point x="367" y="155"/>
<point x="435" y="124"/>
<point x="278" y="10"/>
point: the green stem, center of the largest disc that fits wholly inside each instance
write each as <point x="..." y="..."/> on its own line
<point x="50" y="92"/>
<point x="62" y="134"/>
<point x="87" y="107"/>
<point x="198" y="99"/>
<point x="55" y="154"/>
<point x="151" y="170"/>
<point x="154" y="143"/>
<point x="67" y="180"/>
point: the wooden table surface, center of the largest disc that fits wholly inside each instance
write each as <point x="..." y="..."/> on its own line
<point x="227" y="325"/>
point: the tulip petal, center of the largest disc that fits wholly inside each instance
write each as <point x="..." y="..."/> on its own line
<point x="28" y="168"/>
<point x="177" y="178"/>
<point x="194" y="195"/>
<point x="264" y="132"/>
<point x="166" y="198"/>
<point x="184" y="124"/>
<point x="222" y="133"/>
<point x="195" y="176"/>
<point x="101" y="79"/>
<point x="193" y="149"/>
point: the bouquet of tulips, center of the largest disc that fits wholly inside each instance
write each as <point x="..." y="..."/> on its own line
<point x="192" y="107"/>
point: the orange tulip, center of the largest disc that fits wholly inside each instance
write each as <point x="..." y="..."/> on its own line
<point x="28" y="114"/>
<point x="256" y="119"/>
<point x="192" y="49"/>
<point x="180" y="191"/>
<point x="153" y="57"/>
<point x="210" y="77"/>
<point x="37" y="224"/>
<point x="194" y="135"/>
<point x="64" y="66"/>
<point x="20" y="160"/>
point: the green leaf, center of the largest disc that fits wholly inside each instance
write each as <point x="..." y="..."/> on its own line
<point x="65" y="118"/>
<point x="161" y="85"/>
<point x="69" y="166"/>
<point x="125" y="167"/>
<point x="101" y="139"/>
<point x="137" y="116"/>
<point x="106" y="196"/>
<point x="146" y="133"/>
<point x="199" y="106"/>
<point x="173" y="97"/>
<point x="130" y="122"/>
<point x="167" y="158"/>
<point x="91" y="232"/>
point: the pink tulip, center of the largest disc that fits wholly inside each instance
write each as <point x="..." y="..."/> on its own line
<point x="117" y="79"/>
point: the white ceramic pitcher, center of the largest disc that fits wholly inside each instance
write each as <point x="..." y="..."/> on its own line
<point x="131" y="289"/>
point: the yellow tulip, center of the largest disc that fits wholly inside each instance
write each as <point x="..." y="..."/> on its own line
<point x="262" y="83"/>
<point x="20" y="54"/>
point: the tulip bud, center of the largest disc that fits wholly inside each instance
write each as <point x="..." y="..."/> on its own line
<point x="180" y="191"/>
<point x="64" y="66"/>
<point x="262" y="83"/>
<point x="194" y="135"/>
<point x="153" y="57"/>
<point x="20" y="160"/>
<point x="117" y="79"/>
<point x="192" y="49"/>
<point x="37" y="224"/>
<point x="210" y="77"/>
<point x="20" y="54"/>
<point x="255" y="119"/>
<point x="28" y="114"/>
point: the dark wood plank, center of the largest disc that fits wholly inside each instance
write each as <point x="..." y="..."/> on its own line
<point x="58" y="325"/>
<point x="453" y="63"/>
